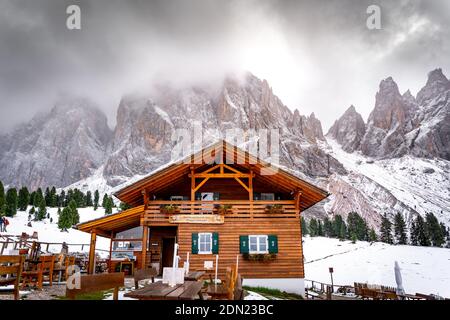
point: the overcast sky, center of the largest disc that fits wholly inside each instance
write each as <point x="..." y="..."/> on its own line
<point x="318" y="56"/>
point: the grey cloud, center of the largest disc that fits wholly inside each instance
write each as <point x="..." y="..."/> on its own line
<point x="124" y="44"/>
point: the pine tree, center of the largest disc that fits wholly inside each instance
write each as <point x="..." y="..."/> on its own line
<point x="23" y="199"/>
<point x="342" y="232"/>
<point x="386" y="232"/>
<point x="75" y="217"/>
<point x="105" y="199"/>
<point x="89" y="199"/>
<point x="62" y="199"/>
<point x="38" y="197"/>
<point x="400" y="229"/>
<point x="124" y="206"/>
<point x="32" y="196"/>
<point x="2" y="196"/>
<point x="413" y="234"/>
<point x="434" y="230"/>
<point x="65" y="219"/>
<point x="11" y="202"/>
<point x="304" y="227"/>
<point x="327" y="227"/>
<point x="320" y="232"/>
<point x="108" y="206"/>
<point x="42" y="210"/>
<point x="357" y="225"/>
<point x="313" y="227"/>
<point x="96" y="199"/>
<point x="48" y="197"/>
<point x="448" y="238"/>
<point x="423" y="239"/>
<point x="53" y="198"/>
<point x="353" y="237"/>
<point x="372" y="235"/>
<point x="113" y="205"/>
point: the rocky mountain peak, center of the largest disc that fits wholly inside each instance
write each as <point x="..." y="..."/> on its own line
<point x="437" y="83"/>
<point x="348" y="130"/>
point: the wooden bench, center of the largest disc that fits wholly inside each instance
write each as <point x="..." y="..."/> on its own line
<point x="143" y="274"/>
<point x="35" y="275"/>
<point x="10" y="271"/>
<point x="98" y="282"/>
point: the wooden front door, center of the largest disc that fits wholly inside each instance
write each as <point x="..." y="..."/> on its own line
<point x="167" y="251"/>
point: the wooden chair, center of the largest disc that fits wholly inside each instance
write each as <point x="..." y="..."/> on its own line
<point x="224" y="290"/>
<point x="35" y="276"/>
<point x="142" y="274"/>
<point x="63" y="265"/>
<point x="98" y="282"/>
<point x="238" y="290"/>
<point x="10" y="271"/>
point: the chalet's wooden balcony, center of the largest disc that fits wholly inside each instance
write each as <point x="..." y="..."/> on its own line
<point x="230" y="209"/>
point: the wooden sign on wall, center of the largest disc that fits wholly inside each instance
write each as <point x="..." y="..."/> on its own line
<point x="197" y="218"/>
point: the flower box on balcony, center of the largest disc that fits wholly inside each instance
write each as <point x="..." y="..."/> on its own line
<point x="274" y="209"/>
<point x="264" y="257"/>
<point x="223" y="209"/>
<point x="169" y="209"/>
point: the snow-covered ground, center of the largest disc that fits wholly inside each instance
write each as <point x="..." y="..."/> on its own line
<point x="422" y="184"/>
<point x="424" y="269"/>
<point x="49" y="232"/>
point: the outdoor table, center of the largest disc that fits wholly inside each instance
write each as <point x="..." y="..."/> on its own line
<point x="217" y="291"/>
<point x="410" y="297"/>
<point x="194" y="275"/>
<point x="189" y="290"/>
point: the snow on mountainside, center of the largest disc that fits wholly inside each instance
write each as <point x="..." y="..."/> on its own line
<point x="418" y="184"/>
<point x="423" y="269"/>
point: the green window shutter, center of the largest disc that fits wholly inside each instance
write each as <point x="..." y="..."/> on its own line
<point x="198" y="196"/>
<point x="194" y="243"/>
<point x="215" y="243"/>
<point x="216" y="196"/>
<point x="273" y="243"/>
<point x="243" y="244"/>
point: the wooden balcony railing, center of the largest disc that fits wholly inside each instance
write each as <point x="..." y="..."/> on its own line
<point x="234" y="209"/>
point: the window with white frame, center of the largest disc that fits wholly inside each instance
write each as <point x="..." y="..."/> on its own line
<point x="258" y="244"/>
<point x="205" y="243"/>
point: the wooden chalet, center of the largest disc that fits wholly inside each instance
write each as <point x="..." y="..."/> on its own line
<point x="230" y="207"/>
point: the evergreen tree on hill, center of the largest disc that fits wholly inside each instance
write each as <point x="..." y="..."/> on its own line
<point x="372" y="235"/>
<point x="38" y="197"/>
<point x="434" y="230"/>
<point x="313" y="227"/>
<point x="108" y="206"/>
<point x="47" y="197"/>
<point x="357" y="225"/>
<point x="105" y="199"/>
<point x="11" y="203"/>
<point x="42" y="211"/>
<point x="386" y="230"/>
<point x="23" y="199"/>
<point x="88" y="201"/>
<point x="304" y="226"/>
<point x="75" y="217"/>
<point x="53" y="198"/>
<point x="320" y="229"/>
<point x="423" y="239"/>
<point x="2" y="196"/>
<point x="400" y="229"/>
<point x="328" y="228"/>
<point x="96" y="199"/>
<point x="65" y="219"/>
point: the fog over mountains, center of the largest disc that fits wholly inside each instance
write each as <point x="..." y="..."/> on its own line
<point x="72" y="145"/>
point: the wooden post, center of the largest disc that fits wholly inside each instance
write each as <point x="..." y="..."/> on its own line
<point x="145" y="194"/>
<point x="297" y="203"/>
<point x="192" y="189"/>
<point x="91" y="266"/>
<point x="250" y="193"/>
<point x="110" y="253"/>
<point x="144" y="246"/>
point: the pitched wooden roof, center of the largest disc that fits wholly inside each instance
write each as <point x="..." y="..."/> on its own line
<point x="175" y="172"/>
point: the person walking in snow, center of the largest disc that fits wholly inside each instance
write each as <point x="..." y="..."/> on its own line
<point x="5" y="223"/>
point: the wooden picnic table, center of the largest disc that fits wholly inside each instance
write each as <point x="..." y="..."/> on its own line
<point x="189" y="290"/>
<point x="194" y="275"/>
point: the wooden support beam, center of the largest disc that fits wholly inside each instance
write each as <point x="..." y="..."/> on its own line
<point x="144" y="246"/>
<point x="192" y="190"/>
<point x="91" y="266"/>
<point x="250" y="193"/>
<point x="221" y="175"/>
<point x="110" y="252"/>
<point x="200" y="184"/>
<point x="145" y="194"/>
<point x="242" y="184"/>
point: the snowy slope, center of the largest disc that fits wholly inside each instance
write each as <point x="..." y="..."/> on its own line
<point x="49" y="232"/>
<point x="421" y="184"/>
<point x="424" y="269"/>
